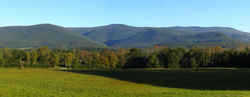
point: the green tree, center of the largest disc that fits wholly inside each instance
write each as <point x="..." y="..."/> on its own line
<point x="68" y="59"/>
<point x="171" y="58"/>
<point x="8" y="57"/>
<point x="77" y="59"/>
<point x="2" y="61"/>
<point x="34" y="57"/>
<point x="55" y="60"/>
<point x="44" y="55"/>
<point x="136" y="59"/>
<point x="27" y="58"/>
<point x="113" y="60"/>
<point x="193" y="64"/>
<point x="19" y="58"/>
<point x="153" y="60"/>
<point x="122" y="56"/>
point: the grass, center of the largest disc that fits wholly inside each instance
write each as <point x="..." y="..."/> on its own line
<point x="130" y="83"/>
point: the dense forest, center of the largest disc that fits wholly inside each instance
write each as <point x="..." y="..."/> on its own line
<point x="157" y="57"/>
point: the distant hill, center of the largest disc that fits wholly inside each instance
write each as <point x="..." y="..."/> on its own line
<point x="107" y="33"/>
<point x="119" y="35"/>
<point x="43" y="35"/>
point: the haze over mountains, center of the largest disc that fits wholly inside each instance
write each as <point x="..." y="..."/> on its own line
<point x="118" y="35"/>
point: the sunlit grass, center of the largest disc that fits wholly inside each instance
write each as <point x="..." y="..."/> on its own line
<point x="51" y="83"/>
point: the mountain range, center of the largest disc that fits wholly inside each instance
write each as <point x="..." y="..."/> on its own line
<point x="118" y="36"/>
<point x="124" y="36"/>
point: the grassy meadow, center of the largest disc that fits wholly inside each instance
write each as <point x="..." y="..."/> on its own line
<point x="129" y="83"/>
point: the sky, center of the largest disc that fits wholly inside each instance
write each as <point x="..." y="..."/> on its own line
<point x="154" y="13"/>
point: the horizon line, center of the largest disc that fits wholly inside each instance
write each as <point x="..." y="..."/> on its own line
<point x="26" y="25"/>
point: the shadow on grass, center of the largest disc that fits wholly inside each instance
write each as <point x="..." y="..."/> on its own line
<point x="185" y="79"/>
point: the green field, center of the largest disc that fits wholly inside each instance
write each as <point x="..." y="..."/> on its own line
<point x="132" y="83"/>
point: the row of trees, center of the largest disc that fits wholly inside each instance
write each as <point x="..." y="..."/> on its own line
<point x="126" y="58"/>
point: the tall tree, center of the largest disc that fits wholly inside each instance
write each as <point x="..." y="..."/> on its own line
<point x="55" y="60"/>
<point x="2" y="61"/>
<point x="153" y="60"/>
<point x="136" y="59"/>
<point x="34" y="57"/>
<point x="113" y="60"/>
<point x="193" y="64"/>
<point x="69" y="59"/>
<point x="44" y="55"/>
<point x="27" y="58"/>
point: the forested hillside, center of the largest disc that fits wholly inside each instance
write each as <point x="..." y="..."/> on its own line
<point x="43" y="35"/>
<point x="124" y="36"/>
<point x="119" y="36"/>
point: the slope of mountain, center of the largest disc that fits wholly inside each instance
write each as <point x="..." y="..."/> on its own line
<point x="43" y="35"/>
<point x="107" y="33"/>
<point x="119" y="35"/>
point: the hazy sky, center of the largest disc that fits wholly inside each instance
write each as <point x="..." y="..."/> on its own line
<point x="159" y="13"/>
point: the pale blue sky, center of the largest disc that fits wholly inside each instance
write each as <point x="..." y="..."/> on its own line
<point x="158" y="13"/>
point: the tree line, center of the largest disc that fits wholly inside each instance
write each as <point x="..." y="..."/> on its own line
<point x="158" y="57"/>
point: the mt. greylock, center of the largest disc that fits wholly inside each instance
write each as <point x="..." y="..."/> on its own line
<point x="118" y="35"/>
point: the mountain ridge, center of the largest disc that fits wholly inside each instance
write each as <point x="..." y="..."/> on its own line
<point x="169" y="35"/>
<point x="118" y="36"/>
<point x="42" y="35"/>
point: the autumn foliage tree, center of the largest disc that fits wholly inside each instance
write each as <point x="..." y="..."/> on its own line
<point x="111" y="59"/>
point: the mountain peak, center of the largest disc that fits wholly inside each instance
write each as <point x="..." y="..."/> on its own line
<point x="46" y="25"/>
<point x="118" y="25"/>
